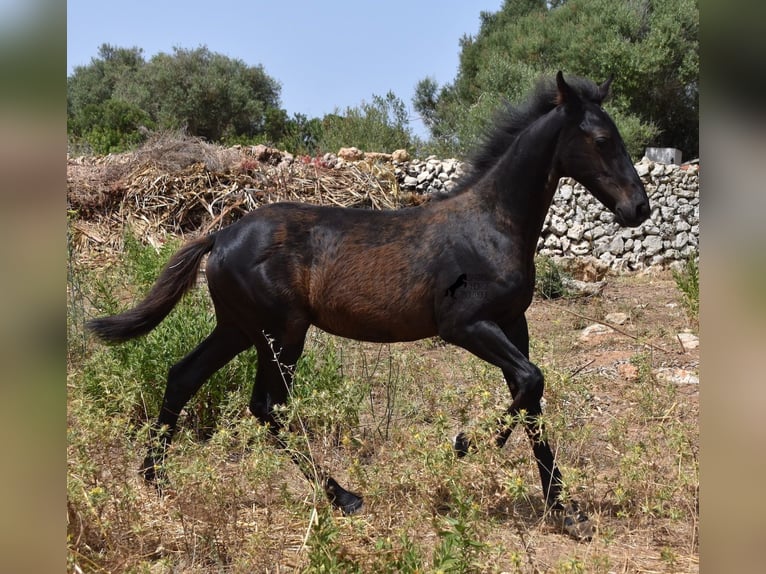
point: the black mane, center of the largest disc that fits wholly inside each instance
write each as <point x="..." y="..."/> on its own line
<point x="509" y="121"/>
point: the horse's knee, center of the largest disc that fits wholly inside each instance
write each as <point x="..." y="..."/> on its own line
<point x="531" y="386"/>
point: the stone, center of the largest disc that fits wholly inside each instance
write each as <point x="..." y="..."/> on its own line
<point x="558" y="225"/>
<point x="643" y="168"/>
<point x="652" y="244"/>
<point x="377" y="156"/>
<point x="616" y="318"/>
<point x="552" y="242"/>
<point x="627" y="371"/>
<point x="400" y="155"/>
<point x="617" y="246"/>
<point x="681" y="240"/>
<point x="676" y="376"/>
<point x="664" y="155"/>
<point x="350" y="154"/>
<point x="595" y="330"/>
<point x="575" y="231"/>
<point x="689" y="340"/>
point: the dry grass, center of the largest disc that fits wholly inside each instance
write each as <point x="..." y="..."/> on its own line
<point x="627" y="441"/>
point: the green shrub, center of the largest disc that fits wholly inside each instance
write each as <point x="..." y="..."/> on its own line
<point x="381" y="125"/>
<point x="687" y="280"/>
<point x="549" y="278"/>
<point x="131" y="377"/>
<point x="111" y="126"/>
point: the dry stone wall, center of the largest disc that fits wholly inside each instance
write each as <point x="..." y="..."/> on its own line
<point x="578" y="225"/>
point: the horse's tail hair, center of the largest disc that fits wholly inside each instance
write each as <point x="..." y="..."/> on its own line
<point x="176" y="279"/>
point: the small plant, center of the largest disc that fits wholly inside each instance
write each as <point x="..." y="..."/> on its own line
<point x="393" y="558"/>
<point x="687" y="280"/>
<point x="326" y="553"/>
<point x="325" y="401"/>
<point x="460" y="544"/>
<point x="549" y="278"/>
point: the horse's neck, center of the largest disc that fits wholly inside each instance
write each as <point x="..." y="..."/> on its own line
<point x="523" y="182"/>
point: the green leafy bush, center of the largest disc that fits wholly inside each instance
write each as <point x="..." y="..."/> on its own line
<point x="688" y="281"/>
<point x="130" y="377"/>
<point x="549" y="278"/>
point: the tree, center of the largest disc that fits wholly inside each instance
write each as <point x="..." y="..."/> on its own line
<point x="96" y="114"/>
<point x="380" y="125"/>
<point x="112" y="126"/>
<point x="207" y="94"/>
<point x="112" y="71"/>
<point x="650" y="46"/>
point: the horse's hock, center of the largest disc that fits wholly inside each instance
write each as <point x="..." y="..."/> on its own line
<point x="578" y="225"/>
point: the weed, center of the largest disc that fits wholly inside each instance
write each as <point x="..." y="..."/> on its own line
<point x="459" y="541"/>
<point x="549" y="278"/>
<point x="326" y="552"/>
<point x="325" y="400"/>
<point x="687" y="280"/>
<point x="573" y="565"/>
<point x="397" y="557"/>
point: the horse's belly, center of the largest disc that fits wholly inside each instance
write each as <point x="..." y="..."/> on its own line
<point x="366" y="321"/>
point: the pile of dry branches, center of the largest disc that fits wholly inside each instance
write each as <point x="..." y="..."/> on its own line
<point x="177" y="184"/>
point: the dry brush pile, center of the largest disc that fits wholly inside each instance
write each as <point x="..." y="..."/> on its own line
<point x="179" y="184"/>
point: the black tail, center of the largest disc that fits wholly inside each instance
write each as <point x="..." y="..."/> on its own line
<point x="175" y="280"/>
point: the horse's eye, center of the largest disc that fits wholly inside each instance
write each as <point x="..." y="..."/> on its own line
<point x="601" y="141"/>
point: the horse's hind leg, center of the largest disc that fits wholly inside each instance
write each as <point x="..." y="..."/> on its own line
<point x="276" y="364"/>
<point x="184" y="380"/>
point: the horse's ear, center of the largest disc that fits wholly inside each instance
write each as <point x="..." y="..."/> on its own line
<point x="565" y="95"/>
<point x="603" y="89"/>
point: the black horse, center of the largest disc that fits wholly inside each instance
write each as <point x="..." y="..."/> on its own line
<point x="389" y="276"/>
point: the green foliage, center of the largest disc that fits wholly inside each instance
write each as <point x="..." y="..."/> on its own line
<point x="129" y="379"/>
<point x="549" y="278"/>
<point x="119" y="97"/>
<point x="207" y="94"/>
<point x="380" y="125"/>
<point x="325" y="401"/>
<point x="459" y="542"/>
<point x="298" y="134"/>
<point x="112" y="126"/>
<point x="650" y="47"/>
<point x="688" y="281"/>
<point x="325" y="552"/>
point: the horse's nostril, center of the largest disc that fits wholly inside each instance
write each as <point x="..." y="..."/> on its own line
<point x="643" y="210"/>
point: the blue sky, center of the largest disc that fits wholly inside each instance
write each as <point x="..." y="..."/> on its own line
<point x="326" y="55"/>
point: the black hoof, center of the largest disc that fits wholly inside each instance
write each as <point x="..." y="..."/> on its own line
<point x="348" y="502"/>
<point x="462" y="445"/>
<point x="570" y="519"/>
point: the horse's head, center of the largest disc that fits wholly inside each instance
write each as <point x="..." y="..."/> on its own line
<point x="592" y="152"/>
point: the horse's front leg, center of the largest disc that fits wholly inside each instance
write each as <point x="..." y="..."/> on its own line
<point x="509" y="350"/>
